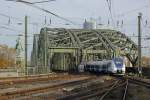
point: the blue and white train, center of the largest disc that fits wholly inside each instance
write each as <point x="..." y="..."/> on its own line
<point x="116" y="65"/>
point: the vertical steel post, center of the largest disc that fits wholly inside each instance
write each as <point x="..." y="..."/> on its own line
<point x="26" y="55"/>
<point x="139" y="44"/>
<point x="46" y="62"/>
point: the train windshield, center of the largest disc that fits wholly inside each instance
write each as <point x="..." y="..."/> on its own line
<point x="118" y="62"/>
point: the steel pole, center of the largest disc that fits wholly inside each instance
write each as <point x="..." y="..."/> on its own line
<point x="26" y="55"/>
<point x="46" y="48"/>
<point x="139" y="44"/>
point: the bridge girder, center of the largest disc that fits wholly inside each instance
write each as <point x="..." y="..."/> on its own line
<point x="99" y="42"/>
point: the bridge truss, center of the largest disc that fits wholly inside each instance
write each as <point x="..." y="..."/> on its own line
<point x="64" y="49"/>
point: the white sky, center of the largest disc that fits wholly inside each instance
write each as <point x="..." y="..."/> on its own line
<point x="74" y="10"/>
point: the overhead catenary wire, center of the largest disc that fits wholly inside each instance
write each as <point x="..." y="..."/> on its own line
<point x="13" y="35"/>
<point x="10" y="23"/>
<point x="132" y="11"/>
<point x="20" y="21"/>
<point x="10" y="35"/>
<point x="8" y="26"/>
<point x="44" y="1"/>
<point x="143" y="37"/>
<point x="110" y="11"/>
<point x="144" y="24"/>
<point x="15" y="18"/>
<point x="14" y="30"/>
<point x="32" y="4"/>
<point x="11" y="29"/>
<point x="42" y="9"/>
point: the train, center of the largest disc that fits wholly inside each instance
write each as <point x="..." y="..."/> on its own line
<point x="115" y="66"/>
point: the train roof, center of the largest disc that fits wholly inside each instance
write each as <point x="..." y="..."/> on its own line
<point x="99" y="62"/>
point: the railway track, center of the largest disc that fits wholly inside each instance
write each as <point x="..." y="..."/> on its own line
<point x="124" y="88"/>
<point x="87" y="88"/>
<point x="139" y="81"/>
<point x="41" y="89"/>
<point x="103" y="92"/>
<point x="7" y="79"/>
<point x="30" y="76"/>
<point x="9" y="82"/>
<point x="87" y="93"/>
<point x="135" y="80"/>
<point x="125" y="91"/>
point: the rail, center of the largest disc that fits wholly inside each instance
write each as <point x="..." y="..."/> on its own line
<point x="139" y="81"/>
<point x="125" y="91"/>
<point x="85" y="94"/>
<point x="29" y="91"/>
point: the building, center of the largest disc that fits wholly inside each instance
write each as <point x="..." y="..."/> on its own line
<point x="89" y="24"/>
<point x="20" y="51"/>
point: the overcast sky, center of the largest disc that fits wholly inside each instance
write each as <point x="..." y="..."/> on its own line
<point x="74" y="10"/>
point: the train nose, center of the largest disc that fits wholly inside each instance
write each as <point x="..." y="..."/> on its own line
<point x="119" y="71"/>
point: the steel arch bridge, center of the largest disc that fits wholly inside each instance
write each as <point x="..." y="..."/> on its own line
<point x="60" y="48"/>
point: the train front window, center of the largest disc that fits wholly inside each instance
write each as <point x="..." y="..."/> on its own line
<point x="118" y="62"/>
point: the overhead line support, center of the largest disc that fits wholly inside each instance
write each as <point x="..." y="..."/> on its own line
<point x="139" y="44"/>
<point x="26" y="52"/>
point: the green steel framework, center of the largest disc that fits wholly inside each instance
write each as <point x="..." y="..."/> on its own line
<point x="64" y="49"/>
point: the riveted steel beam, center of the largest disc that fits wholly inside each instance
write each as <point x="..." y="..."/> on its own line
<point x="72" y="37"/>
<point x="85" y="44"/>
<point x="101" y="39"/>
<point x="77" y="39"/>
<point x="90" y="47"/>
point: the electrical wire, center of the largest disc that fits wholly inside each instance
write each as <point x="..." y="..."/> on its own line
<point x="13" y="35"/>
<point x="15" y="18"/>
<point x="9" y="35"/>
<point x="11" y="29"/>
<point x="132" y="11"/>
<point x="14" y="30"/>
<point x="44" y="10"/>
<point x="19" y="19"/>
<point x="42" y="1"/>
<point x="110" y="11"/>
